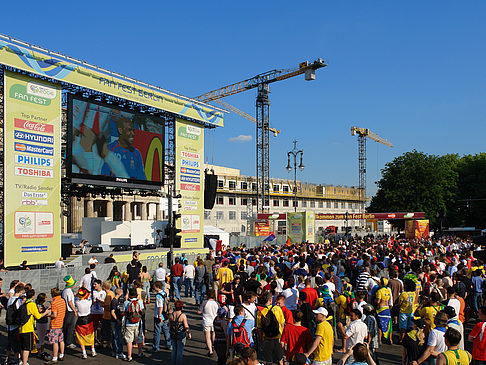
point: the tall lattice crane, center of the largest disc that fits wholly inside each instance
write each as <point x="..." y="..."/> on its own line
<point x="261" y="82"/>
<point x="362" y="134"/>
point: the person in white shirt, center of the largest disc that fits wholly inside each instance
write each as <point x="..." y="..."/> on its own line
<point x="209" y="310"/>
<point x="189" y="272"/>
<point x="356" y="331"/>
<point x="88" y="279"/>
<point x="291" y="295"/>
<point x="329" y="284"/>
<point x="160" y="273"/>
<point x="249" y="305"/>
<point x="435" y="341"/>
<point x="93" y="260"/>
<point x="59" y="264"/>
<point x="98" y="301"/>
<point x="71" y="313"/>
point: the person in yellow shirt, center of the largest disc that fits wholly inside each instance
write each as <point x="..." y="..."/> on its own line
<point x="270" y="337"/>
<point x="453" y="355"/>
<point x="406" y="302"/>
<point x="428" y="311"/>
<point x="26" y="331"/>
<point x="224" y="275"/>
<point x="383" y="303"/>
<point x="322" y="346"/>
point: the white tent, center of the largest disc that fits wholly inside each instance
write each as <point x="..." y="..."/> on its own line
<point x="214" y="231"/>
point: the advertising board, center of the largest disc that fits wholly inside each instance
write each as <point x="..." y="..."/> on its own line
<point x="262" y="228"/>
<point x="32" y="170"/>
<point x="108" y="145"/>
<point x="52" y="65"/>
<point x="296" y="227"/>
<point x="190" y="182"/>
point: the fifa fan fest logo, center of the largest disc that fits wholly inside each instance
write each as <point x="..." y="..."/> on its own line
<point x="25" y="222"/>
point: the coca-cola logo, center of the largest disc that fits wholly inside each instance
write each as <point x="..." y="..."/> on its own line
<point x="34" y="126"/>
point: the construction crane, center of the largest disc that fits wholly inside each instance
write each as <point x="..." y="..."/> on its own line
<point x="261" y="82"/>
<point x="362" y="134"/>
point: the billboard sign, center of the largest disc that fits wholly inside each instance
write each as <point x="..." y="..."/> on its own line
<point x="262" y="228"/>
<point x="415" y="215"/>
<point x="296" y="227"/>
<point x="190" y="182"/>
<point x="52" y="65"/>
<point x="108" y="145"/>
<point x="32" y="170"/>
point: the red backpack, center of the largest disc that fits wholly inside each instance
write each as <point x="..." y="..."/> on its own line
<point x="239" y="337"/>
<point x="134" y="314"/>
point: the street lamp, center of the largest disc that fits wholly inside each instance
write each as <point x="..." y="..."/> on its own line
<point x="295" y="153"/>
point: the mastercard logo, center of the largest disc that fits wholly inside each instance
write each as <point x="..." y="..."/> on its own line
<point x="20" y="147"/>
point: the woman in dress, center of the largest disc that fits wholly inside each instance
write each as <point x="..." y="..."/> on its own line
<point x="84" y="329"/>
<point x="179" y="331"/>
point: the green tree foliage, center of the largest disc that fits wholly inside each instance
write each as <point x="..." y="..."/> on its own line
<point x="418" y="182"/>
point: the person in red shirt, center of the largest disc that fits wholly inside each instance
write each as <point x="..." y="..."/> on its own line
<point x="478" y="335"/>
<point x="295" y="337"/>
<point x="176" y="272"/>
<point x="280" y="301"/>
<point x="311" y="293"/>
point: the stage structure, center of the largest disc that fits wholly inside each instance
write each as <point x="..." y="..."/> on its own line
<point x="70" y="128"/>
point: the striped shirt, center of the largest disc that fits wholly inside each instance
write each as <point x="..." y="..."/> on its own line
<point x="58" y="305"/>
<point x="362" y="280"/>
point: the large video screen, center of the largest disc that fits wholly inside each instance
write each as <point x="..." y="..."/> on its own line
<point x="111" y="146"/>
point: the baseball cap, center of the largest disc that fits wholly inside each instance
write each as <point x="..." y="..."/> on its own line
<point x="321" y="310"/>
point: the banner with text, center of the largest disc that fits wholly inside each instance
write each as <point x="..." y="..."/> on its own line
<point x="262" y="228"/>
<point x="342" y="216"/>
<point x="32" y="170"/>
<point x="310" y="227"/>
<point x="296" y="227"/>
<point x="58" y="67"/>
<point x="189" y="182"/>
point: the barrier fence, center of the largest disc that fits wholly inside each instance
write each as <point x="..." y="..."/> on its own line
<point x="43" y="280"/>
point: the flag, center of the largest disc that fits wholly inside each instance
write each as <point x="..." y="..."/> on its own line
<point x="288" y="243"/>
<point x="270" y="238"/>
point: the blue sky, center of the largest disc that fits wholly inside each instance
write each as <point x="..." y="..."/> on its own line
<point x="413" y="72"/>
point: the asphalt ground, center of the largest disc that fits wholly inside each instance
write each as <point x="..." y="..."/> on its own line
<point x="195" y="351"/>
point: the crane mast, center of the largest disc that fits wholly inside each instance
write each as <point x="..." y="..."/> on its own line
<point x="261" y="82"/>
<point x="362" y="134"/>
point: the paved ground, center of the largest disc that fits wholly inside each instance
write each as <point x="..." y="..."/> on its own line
<point x="195" y="351"/>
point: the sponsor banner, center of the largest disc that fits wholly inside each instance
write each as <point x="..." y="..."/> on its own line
<point x="33" y="126"/>
<point x="188" y="171"/>
<point x="30" y="148"/>
<point x="32" y="217"/>
<point x="57" y="67"/>
<point x="24" y="171"/>
<point x="32" y="160"/>
<point x="417" y="229"/>
<point x="33" y="137"/>
<point x="415" y="215"/>
<point x="189" y="179"/>
<point x="310" y="227"/>
<point x="262" y="228"/>
<point x="277" y="216"/>
<point x="296" y="227"/>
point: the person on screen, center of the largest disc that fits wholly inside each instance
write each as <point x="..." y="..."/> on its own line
<point x="123" y="149"/>
<point x="90" y="150"/>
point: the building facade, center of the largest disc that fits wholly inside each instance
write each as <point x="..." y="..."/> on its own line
<point x="234" y="210"/>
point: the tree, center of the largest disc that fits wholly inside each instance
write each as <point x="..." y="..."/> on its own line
<point x="418" y="182"/>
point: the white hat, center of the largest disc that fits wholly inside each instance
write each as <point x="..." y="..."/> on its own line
<point x="321" y="310"/>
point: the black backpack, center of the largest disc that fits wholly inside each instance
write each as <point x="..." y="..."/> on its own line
<point x="17" y="316"/>
<point x="270" y="325"/>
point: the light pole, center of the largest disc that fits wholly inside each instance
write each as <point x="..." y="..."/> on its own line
<point x="295" y="153"/>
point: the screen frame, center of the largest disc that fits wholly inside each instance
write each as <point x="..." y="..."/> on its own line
<point x="126" y="183"/>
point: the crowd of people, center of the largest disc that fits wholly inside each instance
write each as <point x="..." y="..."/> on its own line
<point x="303" y="303"/>
<point x="293" y="304"/>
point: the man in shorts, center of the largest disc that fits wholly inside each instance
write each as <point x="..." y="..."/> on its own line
<point x="26" y="331"/>
<point x="132" y="324"/>
<point x="55" y="335"/>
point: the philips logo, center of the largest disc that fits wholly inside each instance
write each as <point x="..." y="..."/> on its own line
<point x="36" y="161"/>
<point x="189" y="163"/>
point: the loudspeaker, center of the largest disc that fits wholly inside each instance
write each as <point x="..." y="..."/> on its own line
<point x="166" y="242"/>
<point x="210" y="185"/>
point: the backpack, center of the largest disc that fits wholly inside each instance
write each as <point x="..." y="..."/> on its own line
<point x="167" y="307"/>
<point x="134" y="312"/>
<point x="239" y="336"/>
<point x="270" y="325"/>
<point x="17" y="316"/>
<point x="175" y="326"/>
<point x="351" y="300"/>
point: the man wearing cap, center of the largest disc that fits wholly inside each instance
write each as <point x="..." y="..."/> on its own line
<point x="435" y="342"/>
<point x="324" y="341"/>
<point x="454" y="322"/>
<point x="71" y="314"/>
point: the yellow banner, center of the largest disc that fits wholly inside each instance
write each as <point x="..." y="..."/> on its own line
<point x="190" y="182"/>
<point x="61" y="68"/>
<point x="32" y="170"/>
